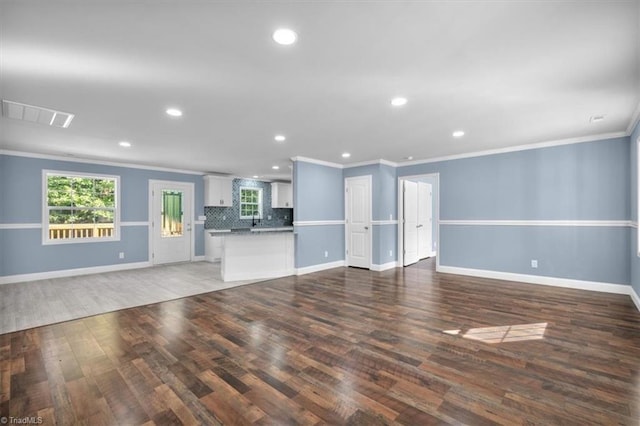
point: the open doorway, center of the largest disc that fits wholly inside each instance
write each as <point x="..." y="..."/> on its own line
<point x="418" y="214"/>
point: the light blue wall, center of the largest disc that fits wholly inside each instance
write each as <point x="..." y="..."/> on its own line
<point x="585" y="181"/>
<point x="633" y="208"/>
<point x="318" y="195"/>
<point x="579" y="253"/>
<point x="21" y="195"/>
<point x="318" y="192"/>
<point x="311" y="242"/>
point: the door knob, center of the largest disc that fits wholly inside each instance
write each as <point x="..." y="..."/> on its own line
<point x="366" y="227"/>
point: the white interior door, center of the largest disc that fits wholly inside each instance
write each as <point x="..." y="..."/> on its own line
<point x="424" y="220"/>
<point x="171" y="205"/>
<point x="358" y="221"/>
<point x="410" y="211"/>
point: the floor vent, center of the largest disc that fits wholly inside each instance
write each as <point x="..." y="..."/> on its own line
<point x="35" y="114"/>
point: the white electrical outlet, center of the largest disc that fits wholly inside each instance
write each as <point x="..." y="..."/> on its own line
<point x="534" y="263"/>
<point x="390" y="253"/>
<point x="224" y="217"/>
<point x="269" y="217"/>
<point x="326" y="253"/>
<point x="391" y="216"/>
<point x="121" y="255"/>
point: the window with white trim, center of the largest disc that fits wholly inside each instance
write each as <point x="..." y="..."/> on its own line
<point x="80" y="207"/>
<point x="250" y="203"/>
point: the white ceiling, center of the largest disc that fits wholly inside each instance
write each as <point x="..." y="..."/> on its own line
<point x="506" y="72"/>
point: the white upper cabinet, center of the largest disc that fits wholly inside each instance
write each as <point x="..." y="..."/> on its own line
<point x="281" y="195"/>
<point x="218" y="191"/>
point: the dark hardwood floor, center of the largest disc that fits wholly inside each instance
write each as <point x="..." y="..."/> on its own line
<point x="344" y="346"/>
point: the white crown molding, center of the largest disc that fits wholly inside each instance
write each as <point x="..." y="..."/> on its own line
<point x="72" y="272"/>
<point x="539" y="279"/>
<point x="99" y="162"/>
<point x="20" y="225"/>
<point x="370" y="163"/>
<point x="590" y="223"/>
<point x="318" y="222"/>
<point x="537" y="145"/>
<point x="320" y="267"/>
<point x="384" y="222"/>
<point x="635" y="119"/>
<point x="319" y="162"/>
<point x="505" y="150"/>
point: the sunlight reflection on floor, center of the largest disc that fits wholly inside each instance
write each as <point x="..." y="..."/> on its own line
<point x="503" y="334"/>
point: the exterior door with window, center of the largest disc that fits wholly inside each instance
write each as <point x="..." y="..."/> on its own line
<point x="171" y="221"/>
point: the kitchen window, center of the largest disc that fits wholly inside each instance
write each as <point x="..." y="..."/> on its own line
<point x="80" y="207"/>
<point x="250" y="203"/>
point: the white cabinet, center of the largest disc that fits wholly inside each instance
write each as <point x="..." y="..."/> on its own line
<point x="213" y="246"/>
<point x="218" y="191"/>
<point x="281" y="195"/>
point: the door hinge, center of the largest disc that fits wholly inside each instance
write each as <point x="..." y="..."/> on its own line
<point x="347" y="251"/>
<point x="153" y="255"/>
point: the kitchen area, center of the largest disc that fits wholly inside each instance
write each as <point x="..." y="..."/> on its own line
<point x="249" y="227"/>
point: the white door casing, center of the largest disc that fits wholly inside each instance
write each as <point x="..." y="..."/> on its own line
<point x="424" y="220"/>
<point x="410" y="219"/>
<point x="171" y="234"/>
<point x="358" y="221"/>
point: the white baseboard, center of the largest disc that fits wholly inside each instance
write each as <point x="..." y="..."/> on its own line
<point x="538" y="279"/>
<point x="198" y="258"/>
<point x="634" y="297"/>
<point x="72" y="272"/>
<point x="384" y="266"/>
<point x="320" y="267"/>
<point x="258" y="275"/>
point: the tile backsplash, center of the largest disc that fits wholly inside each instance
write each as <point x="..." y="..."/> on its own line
<point x="229" y="217"/>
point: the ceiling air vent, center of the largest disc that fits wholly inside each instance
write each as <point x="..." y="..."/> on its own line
<point x="35" y="114"/>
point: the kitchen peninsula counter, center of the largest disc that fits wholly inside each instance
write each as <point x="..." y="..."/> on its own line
<point x="256" y="253"/>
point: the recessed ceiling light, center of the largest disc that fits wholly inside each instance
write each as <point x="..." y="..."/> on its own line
<point x="409" y="157"/>
<point x="275" y="167"/>
<point x="398" y="101"/>
<point x="256" y="176"/>
<point x="174" y="112"/>
<point x="596" y="118"/>
<point x="280" y="138"/>
<point x="346" y="155"/>
<point x="124" y="144"/>
<point x="285" y="36"/>
<point x="458" y="134"/>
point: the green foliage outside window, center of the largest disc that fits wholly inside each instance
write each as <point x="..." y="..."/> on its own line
<point x="80" y="207"/>
<point x="250" y="203"/>
<point x="73" y="199"/>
